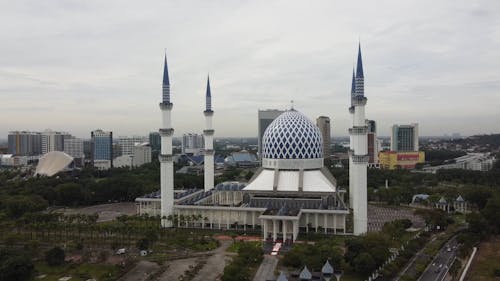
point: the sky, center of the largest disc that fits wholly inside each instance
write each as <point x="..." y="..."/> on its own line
<point x="81" y="65"/>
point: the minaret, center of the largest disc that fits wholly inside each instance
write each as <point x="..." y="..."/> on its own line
<point x="209" y="140"/>
<point x="358" y="155"/>
<point x="166" y="163"/>
<point x="351" y="111"/>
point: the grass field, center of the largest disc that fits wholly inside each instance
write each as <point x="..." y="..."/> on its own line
<point x="486" y="261"/>
<point x="77" y="272"/>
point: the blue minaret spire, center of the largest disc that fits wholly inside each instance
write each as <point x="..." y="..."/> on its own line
<point x="166" y="84"/>
<point x="208" y="96"/>
<point x="360" y="78"/>
<point x="359" y="66"/>
<point x="353" y="85"/>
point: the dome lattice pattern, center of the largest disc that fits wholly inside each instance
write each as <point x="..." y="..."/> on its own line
<point x="292" y="136"/>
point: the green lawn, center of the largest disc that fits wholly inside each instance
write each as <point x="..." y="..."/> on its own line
<point x="77" y="271"/>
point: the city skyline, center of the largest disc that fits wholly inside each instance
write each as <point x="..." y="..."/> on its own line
<point x="78" y="66"/>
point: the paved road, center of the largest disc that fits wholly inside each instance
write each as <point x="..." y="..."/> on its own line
<point x="266" y="268"/>
<point x="438" y="268"/>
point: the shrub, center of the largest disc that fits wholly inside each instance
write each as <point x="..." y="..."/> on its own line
<point x="55" y="256"/>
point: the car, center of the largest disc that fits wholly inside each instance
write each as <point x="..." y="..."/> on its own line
<point x="448" y="249"/>
<point x="121" y="251"/>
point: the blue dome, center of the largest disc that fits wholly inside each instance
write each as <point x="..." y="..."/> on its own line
<point x="292" y="136"/>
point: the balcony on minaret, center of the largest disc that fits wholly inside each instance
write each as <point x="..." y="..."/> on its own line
<point x="166" y="105"/>
<point x="360" y="159"/>
<point x="359" y="100"/>
<point x="351" y="109"/>
<point x="166" y="132"/>
<point x="208" y="132"/>
<point x="208" y="112"/>
<point x="165" y="158"/>
<point x="208" y="152"/>
<point x="362" y="130"/>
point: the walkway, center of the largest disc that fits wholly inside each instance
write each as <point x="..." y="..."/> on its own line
<point x="266" y="269"/>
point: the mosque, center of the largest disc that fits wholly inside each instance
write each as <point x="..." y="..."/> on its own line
<point x="291" y="193"/>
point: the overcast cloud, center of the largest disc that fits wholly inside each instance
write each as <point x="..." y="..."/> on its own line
<point x="81" y="65"/>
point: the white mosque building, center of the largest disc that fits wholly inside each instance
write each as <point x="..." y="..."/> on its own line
<point x="291" y="193"/>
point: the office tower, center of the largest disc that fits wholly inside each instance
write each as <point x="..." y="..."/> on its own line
<point x="127" y="144"/>
<point x="265" y="117"/>
<point x="102" y="146"/>
<point x="323" y="123"/>
<point x="358" y="155"/>
<point x="74" y="148"/>
<point x="53" y="141"/>
<point x="24" y="143"/>
<point x="142" y="154"/>
<point x="208" y="134"/>
<point x="372" y="142"/>
<point x="166" y="163"/>
<point x="87" y="148"/>
<point x="404" y="138"/>
<point x="192" y="143"/>
<point x="155" y="141"/>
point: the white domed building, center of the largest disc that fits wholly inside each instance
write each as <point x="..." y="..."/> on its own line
<point x="290" y="193"/>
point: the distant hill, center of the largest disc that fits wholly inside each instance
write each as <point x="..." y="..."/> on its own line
<point x="493" y="141"/>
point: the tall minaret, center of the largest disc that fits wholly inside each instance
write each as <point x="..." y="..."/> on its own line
<point x="358" y="156"/>
<point x="209" y="140"/>
<point x="351" y="111"/>
<point x="166" y="164"/>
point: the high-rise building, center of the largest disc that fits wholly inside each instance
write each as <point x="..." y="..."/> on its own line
<point x="323" y="123"/>
<point x="358" y="154"/>
<point x="74" y="148"/>
<point x="87" y="148"/>
<point x="372" y="142"/>
<point x="265" y="117"/>
<point x="142" y="154"/>
<point x="53" y="141"/>
<point x="102" y="146"/>
<point x="155" y="141"/>
<point x="127" y="144"/>
<point x="24" y="143"/>
<point x="404" y="138"/>
<point x="192" y="143"/>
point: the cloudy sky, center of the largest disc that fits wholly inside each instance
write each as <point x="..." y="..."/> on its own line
<point x="81" y="65"/>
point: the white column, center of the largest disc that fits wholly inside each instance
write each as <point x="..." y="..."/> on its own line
<point x="307" y="222"/>
<point x="295" y="226"/>
<point x="264" y="228"/>
<point x="316" y="221"/>
<point x="275" y="230"/>
<point x="284" y="230"/>
<point x="325" y="226"/>
<point x="334" y="224"/>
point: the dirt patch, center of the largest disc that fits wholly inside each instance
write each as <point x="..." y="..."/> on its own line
<point x="486" y="261"/>
<point x="141" y="271"/>
<point x="106" y="212"/>
<point x="177" y="268"/>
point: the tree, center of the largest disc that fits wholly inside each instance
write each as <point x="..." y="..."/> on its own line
<point x="364" y="263"/>
<point x="490" y="213"/>
<point x="55" y="256"/>
<point x="15" y="266"/>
